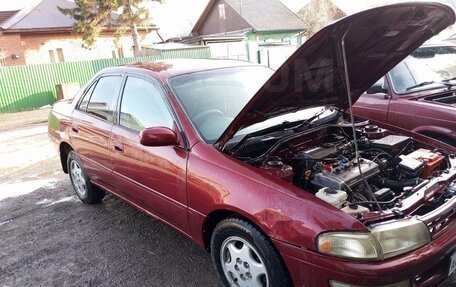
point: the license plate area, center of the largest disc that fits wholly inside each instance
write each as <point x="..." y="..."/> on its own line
<point x="452" y="268"/>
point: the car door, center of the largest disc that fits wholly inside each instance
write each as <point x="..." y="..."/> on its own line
<point x="91" y="127"/>
<point x="153" y="178"/>
<point x="374" y="103"/>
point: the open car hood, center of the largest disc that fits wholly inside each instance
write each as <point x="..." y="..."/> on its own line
<point x="375" y="41"/>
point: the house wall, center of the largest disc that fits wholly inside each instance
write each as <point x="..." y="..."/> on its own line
<point x="215" y="24"/>
<point x="9" y="45"/>
<point x="34" y="48"/>
<point x="37" y="48"/>
<point x="275" y="36"/>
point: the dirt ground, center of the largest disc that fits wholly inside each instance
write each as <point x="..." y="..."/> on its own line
<point x="49" y="238"/>
<point x="24" y="119"/>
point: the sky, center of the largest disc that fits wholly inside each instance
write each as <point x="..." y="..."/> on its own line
<point x="176" y="17"/>
<point x="194" y="5"/>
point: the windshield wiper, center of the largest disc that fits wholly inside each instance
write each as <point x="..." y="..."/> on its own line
<point x="447" y="83"/>
<point x="284" y="125"/>
<point x="420" y="85"/>
<point x="449" y="80"/>
<point x="306" y="123"/>
<point x="288" y="126"/>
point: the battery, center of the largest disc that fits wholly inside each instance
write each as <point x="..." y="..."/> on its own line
<point x="410" y="166"/>
<point x="431" y="160"/>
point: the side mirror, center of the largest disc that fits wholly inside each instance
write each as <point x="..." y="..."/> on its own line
<point x="158" y="136"/>
<point x="377" y="89"/>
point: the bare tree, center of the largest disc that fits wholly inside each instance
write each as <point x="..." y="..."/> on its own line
<point x="319" y="13"/>
<point x="92" y="15"/>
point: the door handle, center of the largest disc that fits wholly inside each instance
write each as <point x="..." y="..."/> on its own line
<point x="118" y="147"/>
<point x="74" y="129"/>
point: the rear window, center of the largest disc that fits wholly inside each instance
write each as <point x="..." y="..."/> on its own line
<point x="102" y="103"/>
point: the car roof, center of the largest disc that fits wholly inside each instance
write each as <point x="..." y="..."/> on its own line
<point x="165" y="69"/>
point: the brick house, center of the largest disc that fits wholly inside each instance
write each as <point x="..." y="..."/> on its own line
<point x="41" y="34"/>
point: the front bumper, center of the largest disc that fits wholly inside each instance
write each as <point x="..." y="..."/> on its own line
<point x="424" y="267"/>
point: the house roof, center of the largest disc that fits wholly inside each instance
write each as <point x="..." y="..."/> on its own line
<point x="44" y="15"/>
<point x="262" y="15"/>
<point x="4" y="15"/>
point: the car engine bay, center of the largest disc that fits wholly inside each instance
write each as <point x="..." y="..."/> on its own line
<point x="383" y="181"/>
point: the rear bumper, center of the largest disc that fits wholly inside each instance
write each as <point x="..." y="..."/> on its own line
<point x="424" y="267"/>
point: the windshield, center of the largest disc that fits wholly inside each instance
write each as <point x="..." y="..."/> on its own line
<point x="212" y="99"/>
<point x="425" y="68"/>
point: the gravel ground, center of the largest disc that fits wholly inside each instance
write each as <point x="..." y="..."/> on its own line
<point x="49" y="238"/>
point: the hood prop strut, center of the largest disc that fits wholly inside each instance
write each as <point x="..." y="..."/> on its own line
<point x="352" y="118"/>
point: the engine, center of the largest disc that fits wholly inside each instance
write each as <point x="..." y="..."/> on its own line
<point x="345" y="174"/>
<point x="387" y="170"/>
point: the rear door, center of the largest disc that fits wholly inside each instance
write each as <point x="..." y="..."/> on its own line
<point x="153" y="178"/>
<point x="91" y="127"/>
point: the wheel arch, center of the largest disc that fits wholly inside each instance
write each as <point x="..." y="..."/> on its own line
<point x="216" y="216"/>
<point x="439" y="136"/>
<point x="64" y="151"/>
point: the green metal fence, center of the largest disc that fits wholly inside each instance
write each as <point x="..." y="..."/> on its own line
<point x="28" y="87"/>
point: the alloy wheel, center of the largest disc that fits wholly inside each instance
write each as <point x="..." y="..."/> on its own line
<point x="78" y="178"/>
<point x="242" y="264"/>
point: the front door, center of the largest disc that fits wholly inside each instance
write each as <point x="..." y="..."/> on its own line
<point x="373" y="105"/>
<point x="153" y="178"/>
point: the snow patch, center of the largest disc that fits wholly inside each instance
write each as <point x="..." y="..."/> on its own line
<point x="5" y="222"/>
<point x="65" y="199"/>
<point x="44" y="201"/>
<point x="14" y="189"/>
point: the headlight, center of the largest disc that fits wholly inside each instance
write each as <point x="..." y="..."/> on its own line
<point x="349" y="245"/>
<point x="383" y="241"/>
<point x="401" y="236"/>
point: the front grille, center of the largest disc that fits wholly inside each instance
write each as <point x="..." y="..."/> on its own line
<point x="440" y="225"/>
<point x="439" y="219"/>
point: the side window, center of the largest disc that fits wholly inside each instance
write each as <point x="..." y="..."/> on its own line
<point x="103" y="100"/>
<point x="86" y="98"/>
<point x="402" y="77"/>
<point x="143" y="106"/>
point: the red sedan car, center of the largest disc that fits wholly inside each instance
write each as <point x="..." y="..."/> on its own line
<point x="273" y="179"/>
<point x="419" y="94"/>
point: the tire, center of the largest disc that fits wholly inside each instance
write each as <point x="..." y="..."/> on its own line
<point x="84" y="189"/>
<point x="257" y="262"/>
